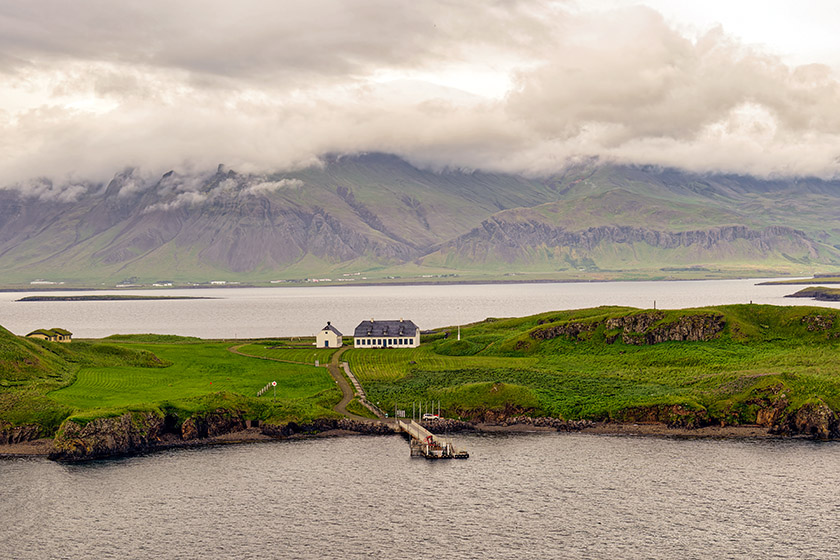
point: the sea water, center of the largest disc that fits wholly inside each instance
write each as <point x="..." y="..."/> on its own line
<point x="550" y="495"/>
<point x="267" y="312"/>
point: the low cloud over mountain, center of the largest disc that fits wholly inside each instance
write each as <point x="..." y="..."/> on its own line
<point x="518" y="87"/>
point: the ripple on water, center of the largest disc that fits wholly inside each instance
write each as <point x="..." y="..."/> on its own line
<point x="540" y="496"/>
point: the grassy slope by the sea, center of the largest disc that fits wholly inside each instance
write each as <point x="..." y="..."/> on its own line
<point x="44" y="383"/>
<point x="763" y="355"/>
<point x="599" y="364"/>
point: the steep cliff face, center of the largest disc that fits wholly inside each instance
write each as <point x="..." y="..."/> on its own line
<point x="812" y="419"/>
<point x="326" y="425"/>
<point x="518" y="242"/>
<point x="673" y="416"/>
<point x="103" y="437"/>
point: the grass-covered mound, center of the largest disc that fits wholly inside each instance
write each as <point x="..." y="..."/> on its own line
<point x="30" y="369"/>
<point x="729" y="364"/>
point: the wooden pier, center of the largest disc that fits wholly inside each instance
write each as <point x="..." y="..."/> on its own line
<point x="426" y="444"/>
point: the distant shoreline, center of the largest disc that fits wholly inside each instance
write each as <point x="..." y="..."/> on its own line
<point x="114" y="297"/>
<point x="476" y="282"/>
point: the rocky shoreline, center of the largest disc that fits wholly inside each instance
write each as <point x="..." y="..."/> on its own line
<point x="132" y="434"/>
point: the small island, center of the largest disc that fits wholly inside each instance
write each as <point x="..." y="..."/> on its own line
<point x="819" y="293"/>
<point x="107" y="297"/>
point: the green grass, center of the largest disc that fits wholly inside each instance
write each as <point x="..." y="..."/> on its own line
<point x="395" y="363"/>
<point x="762" y="355"/>
<point x="197" y="369"/>
<point x="151" y="338"/>
<point x="357" y="408"/>
<point x="44" y="383"/>
<point x="760" y="348"/>
<point x="281" y="353"/>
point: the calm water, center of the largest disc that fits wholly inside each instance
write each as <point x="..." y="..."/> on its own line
<point x="259" y="312"/>
<point x="518" y="496"/>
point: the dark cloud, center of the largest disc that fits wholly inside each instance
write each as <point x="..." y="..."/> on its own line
<point x="262" y="41"/>
<point x="97" y="86"/>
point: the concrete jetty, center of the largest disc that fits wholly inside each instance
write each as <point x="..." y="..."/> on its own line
<point x="426" y="444"/>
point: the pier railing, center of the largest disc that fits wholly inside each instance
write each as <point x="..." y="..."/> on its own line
<point x="426" y="444"/>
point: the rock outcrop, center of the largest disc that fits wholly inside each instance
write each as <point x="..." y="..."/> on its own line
<point x="325" y="425"/>
<point x="673" y="416"/>
<point x="572" y="330"/>
<point x="212" y="424"/>
<point x="104" y="437"/>
<point x="811" y="419"/>
<point x="640" y="328"/>
<point x="18" y="434"/>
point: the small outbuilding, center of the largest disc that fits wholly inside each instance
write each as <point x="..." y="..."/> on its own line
<point x="386" y="334"/>
<point x="52" y="335"/>
<point x="328" y="337"/>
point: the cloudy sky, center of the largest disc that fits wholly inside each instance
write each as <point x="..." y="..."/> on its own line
<point x="92" y="86"/>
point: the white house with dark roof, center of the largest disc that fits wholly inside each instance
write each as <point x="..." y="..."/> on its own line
<point x="328" y="337"/>
<point x="386" y="334"/>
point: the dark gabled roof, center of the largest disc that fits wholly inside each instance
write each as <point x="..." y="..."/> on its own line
<point x="329" y="327"/>
<point x="386" y="328"/>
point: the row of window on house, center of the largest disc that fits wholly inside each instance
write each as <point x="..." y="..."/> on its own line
<point x="384" y="341"/>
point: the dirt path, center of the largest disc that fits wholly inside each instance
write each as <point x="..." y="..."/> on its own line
<point x="347" y="391"/>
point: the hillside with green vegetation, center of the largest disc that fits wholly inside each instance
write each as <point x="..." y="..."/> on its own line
<point x="723" y="365"/>
<point x="31" y="369"/>
<point x="778" y="367"/>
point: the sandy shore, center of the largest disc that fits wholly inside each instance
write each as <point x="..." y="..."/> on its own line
<point x="43" y="447"/>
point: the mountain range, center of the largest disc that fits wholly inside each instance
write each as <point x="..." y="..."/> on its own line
<point x="377" y="216"/>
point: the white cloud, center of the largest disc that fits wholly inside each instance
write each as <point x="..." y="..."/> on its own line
<point x="267" y="86"/>
<point x="46" y="190"/>
<point x="181" y="200"/>
<point x="266" y="187"/>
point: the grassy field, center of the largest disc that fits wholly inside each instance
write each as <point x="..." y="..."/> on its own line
<point x="274" y="351"/>
<point x="371" y="365"/>
<point x="141" y="372"/>
<point x="762" y="351"/>
<point x="602" y="363"/>
<point x="197" y="369"/>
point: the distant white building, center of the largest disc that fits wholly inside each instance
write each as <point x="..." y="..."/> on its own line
<point x="328" y="337"/>
<point x="386" y="334"/>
